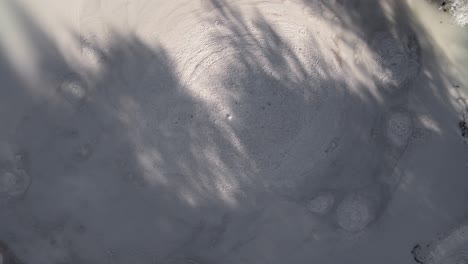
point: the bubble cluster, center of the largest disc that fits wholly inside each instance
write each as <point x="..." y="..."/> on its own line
<point x="13" y="182"/>
<point x="355" y="213"/>
<point x="321" y="204"/>
<point x="303" y="32"/>
<point x="91" y="55"/>
<point x="84" y="151"/>
<point x="73" y="91"/>
<point x="399" y="127"/>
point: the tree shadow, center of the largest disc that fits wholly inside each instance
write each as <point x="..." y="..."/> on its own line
<point x="211" y="152"/>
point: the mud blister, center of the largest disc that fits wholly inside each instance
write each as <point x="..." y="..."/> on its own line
<point x="14" y="181"/>
<point x="73" y="91"/>
<point x="358" y="210"/>
<point x="399" y="127"/>
<point x="321" y="204"/>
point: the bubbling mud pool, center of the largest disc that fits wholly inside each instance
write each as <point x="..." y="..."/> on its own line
<point x="264" y="82"/>
<point x="249" y="107"/>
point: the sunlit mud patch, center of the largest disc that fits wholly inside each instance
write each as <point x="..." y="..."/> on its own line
<point x="313" y="11"/>
<point x="317" y="11"/>
<point x="262" y="89"/>
<point x="94" y="33"/>
<point x="91" y="54"/>
<point x="394" y="60"/>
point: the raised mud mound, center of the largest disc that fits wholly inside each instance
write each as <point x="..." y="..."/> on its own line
<point x="14" y="180"/>
<point x="13" y="183"/>
<point x="354" y="214"/>
<point x="399" y="127"/>
<point x="73" y="91"/>
<point x="322" y="203"/>
<point x="356" y="211"/>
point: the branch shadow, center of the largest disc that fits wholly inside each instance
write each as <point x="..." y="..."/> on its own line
<point x="176" y="153"/>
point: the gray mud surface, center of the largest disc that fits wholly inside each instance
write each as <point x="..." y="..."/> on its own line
<point x="216" y="131"/>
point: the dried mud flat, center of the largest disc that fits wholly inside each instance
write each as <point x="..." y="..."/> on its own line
<point x="217" y="131"/>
